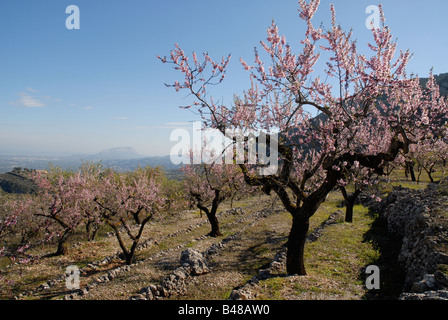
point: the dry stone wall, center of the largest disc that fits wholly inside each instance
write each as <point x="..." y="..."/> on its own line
<point x="194" y="263"/>
<point x="420" y="219"/>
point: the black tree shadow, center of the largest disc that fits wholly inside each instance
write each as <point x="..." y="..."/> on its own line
<point x="391" y="273"/>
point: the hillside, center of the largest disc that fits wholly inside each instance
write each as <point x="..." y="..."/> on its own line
<point x="246" y="262"/>
<point x="15" y="183"/>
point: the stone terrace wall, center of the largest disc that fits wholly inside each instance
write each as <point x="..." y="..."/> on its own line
<point x="420" y="218"/>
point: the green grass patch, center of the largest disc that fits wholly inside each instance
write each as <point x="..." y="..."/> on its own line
<point x="334" y="262"/>
<point x="341" y="251"/>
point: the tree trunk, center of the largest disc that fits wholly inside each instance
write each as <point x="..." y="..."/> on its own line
<point x="430" y="171"/>
<point x="409" y="169"/>
<point x="419" y="174"/>
<point x="231" y="200"/>
<point x="129" y="255"/>
<point x="62" y="244"/>
<point x="211" y="215"/>
<point x="295" y="263"/>
<point x="91" y="230"/>
<point x="349" y="210"/>
<point x="212" y="218"/>
<point x="349" y="203"/>
<point x="412" y="172"/>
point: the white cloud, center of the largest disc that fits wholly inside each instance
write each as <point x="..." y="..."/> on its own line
<point x="88" y="108"/>
<point x="121" y="118"/>
<point x="28" y="101"/>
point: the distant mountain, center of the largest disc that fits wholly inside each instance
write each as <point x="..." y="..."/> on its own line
<point x="122" y="153"/>
<point x="127" y="159"/>
<point x="120" y="159"/>
<point x="124" y="165"/>
<point x="442" y="81"/>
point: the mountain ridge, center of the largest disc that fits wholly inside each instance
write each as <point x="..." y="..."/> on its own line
<point x="117" y="153"/>
<point x="119" y="158"/>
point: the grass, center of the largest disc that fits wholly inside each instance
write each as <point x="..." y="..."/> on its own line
<point x="341" y="250"/>
<point x="397" y="178"/>
<point x="334" y="263"/>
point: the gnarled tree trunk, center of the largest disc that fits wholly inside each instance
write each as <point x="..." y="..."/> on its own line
<point x="211" y="213"/>
<point x="62" y="243"/>
<point x="295" y="261"/>
<point x="349" y="203"/>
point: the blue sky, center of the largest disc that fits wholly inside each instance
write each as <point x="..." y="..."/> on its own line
<point x="82" y="91"/>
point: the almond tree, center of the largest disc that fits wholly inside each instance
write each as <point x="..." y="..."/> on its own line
<point x="91" y="173"/>
<point x="58" y="203"/>
<point x="433" y="148"/>
<point x="15" y="229"/>
<point x="208" y="185"/>
<point x="126" y="202"/>
<point x="428" y="154"/>
<point x="363" y="110"/>
<point x="14" y="237"/>
<point x="359" y="178"/>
